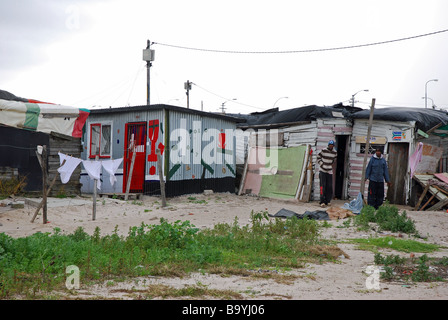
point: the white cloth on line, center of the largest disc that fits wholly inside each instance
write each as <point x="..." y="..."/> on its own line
<point x="111" y="166"/>
<point x="69" y="166"/>
<point x="93" y="169"/>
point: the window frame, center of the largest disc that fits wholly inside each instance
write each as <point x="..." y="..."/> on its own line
<point x="100" y="125"/>
<point x="373" y="147"/>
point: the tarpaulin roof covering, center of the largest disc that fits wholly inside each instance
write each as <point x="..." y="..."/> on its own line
<point x="307" y="113"/>
<point x="41" y="116"/>
<point x="425" y="118"/>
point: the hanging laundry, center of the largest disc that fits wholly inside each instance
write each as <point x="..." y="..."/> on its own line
<point x="68" y="167"/>
<point x="415" y="158"/>
<point x="93" y="169"/>
<point x="111" y="166"/>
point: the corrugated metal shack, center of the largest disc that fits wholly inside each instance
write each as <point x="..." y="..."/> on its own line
<point x="198" y="149"/>
<point x="398" y="131"/>
<point x="310" y="125"/>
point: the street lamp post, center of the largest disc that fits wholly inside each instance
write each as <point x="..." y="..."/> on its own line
<point x="353" y="96"/>
<point x="222" y="105"/>
<point x="426" y="91"/>
<point x="278" y="100"/>
<point x="432" y="100"/>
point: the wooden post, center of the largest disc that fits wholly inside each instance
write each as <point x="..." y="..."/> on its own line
<point x="41" y="204"/>
<point x="243" y="178"/>
<point x="42" y="158"/>
<point x="95" y="192"/>
<point x="131" y="169"/>
<point x="366" y="153"/>
<point x="302" y="180"/>
<point x="162" y="181"/>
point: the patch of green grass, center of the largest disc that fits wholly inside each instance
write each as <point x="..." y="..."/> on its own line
<point x="403" y="245"/>
<point x="37" y="264"/>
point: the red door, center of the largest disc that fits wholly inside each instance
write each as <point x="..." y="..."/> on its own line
<point x="135" y="141"/>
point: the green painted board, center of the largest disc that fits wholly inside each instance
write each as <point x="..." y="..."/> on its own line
<point x="285" y="182"/>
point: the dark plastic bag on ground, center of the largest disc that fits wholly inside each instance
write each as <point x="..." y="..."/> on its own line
<point x="315" y="215"/>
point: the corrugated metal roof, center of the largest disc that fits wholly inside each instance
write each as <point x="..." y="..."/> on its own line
<point x="155" y="107"/>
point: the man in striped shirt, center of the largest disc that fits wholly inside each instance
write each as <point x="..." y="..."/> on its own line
<point x="325" y="159"/>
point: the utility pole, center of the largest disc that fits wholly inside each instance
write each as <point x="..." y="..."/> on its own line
<point x="366" y="152"/>
<point x="187" y="86"/>
<point x="148" y="56"/>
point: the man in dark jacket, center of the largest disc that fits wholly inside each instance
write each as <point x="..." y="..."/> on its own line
<point x="377" y="172"/>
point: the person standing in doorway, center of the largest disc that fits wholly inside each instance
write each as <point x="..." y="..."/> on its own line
<point x="325" y="159"/>
<point x="377" y="172"/>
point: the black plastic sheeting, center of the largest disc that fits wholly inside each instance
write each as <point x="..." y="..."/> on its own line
<point x="5" y="95"/>
<point x="18" y="150"/>
<point x="425" y="118"/>
<point x="307" y="113"/>
<point x="312" y="215"/>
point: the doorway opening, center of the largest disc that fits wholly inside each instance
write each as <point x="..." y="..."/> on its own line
<point x="340" y="167"/>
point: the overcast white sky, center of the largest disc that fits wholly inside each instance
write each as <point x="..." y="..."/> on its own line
<point x="89" y="53"/>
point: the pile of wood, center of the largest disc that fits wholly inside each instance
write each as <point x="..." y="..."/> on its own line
<point x="435" y="190"/>
<point x="307" y="177"/>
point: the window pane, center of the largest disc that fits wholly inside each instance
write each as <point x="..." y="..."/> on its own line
<point x="105" y="140"/>
<point x="95" y="140"/>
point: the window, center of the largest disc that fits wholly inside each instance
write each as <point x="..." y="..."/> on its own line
<point x="372" y="148"/>
<point x="100" y="140"/>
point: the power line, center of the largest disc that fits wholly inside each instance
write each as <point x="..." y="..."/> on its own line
<point x="219" y="96"/>
<point x="388" y="105"/>
<point x="302" y="51"/>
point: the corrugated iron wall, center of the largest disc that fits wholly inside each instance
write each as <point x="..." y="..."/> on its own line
<point x="379" y="129"/>
<point x="209" y="145"/>
<point x="205" y="156"/>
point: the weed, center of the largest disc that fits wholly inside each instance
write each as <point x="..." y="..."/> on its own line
<point x="326" y="224"/>
<point x="387" y="217"/>
<point x="13" y="186"/>
<point x="391" y="259"/>
<point x="399" y="268"/>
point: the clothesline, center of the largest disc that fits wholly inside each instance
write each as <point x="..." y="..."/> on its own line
<point x="93" y="168"/>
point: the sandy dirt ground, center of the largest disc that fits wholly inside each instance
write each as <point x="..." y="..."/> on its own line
<point x="343" y="280"/>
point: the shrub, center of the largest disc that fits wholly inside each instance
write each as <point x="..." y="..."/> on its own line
<point x="387" y="217"/>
